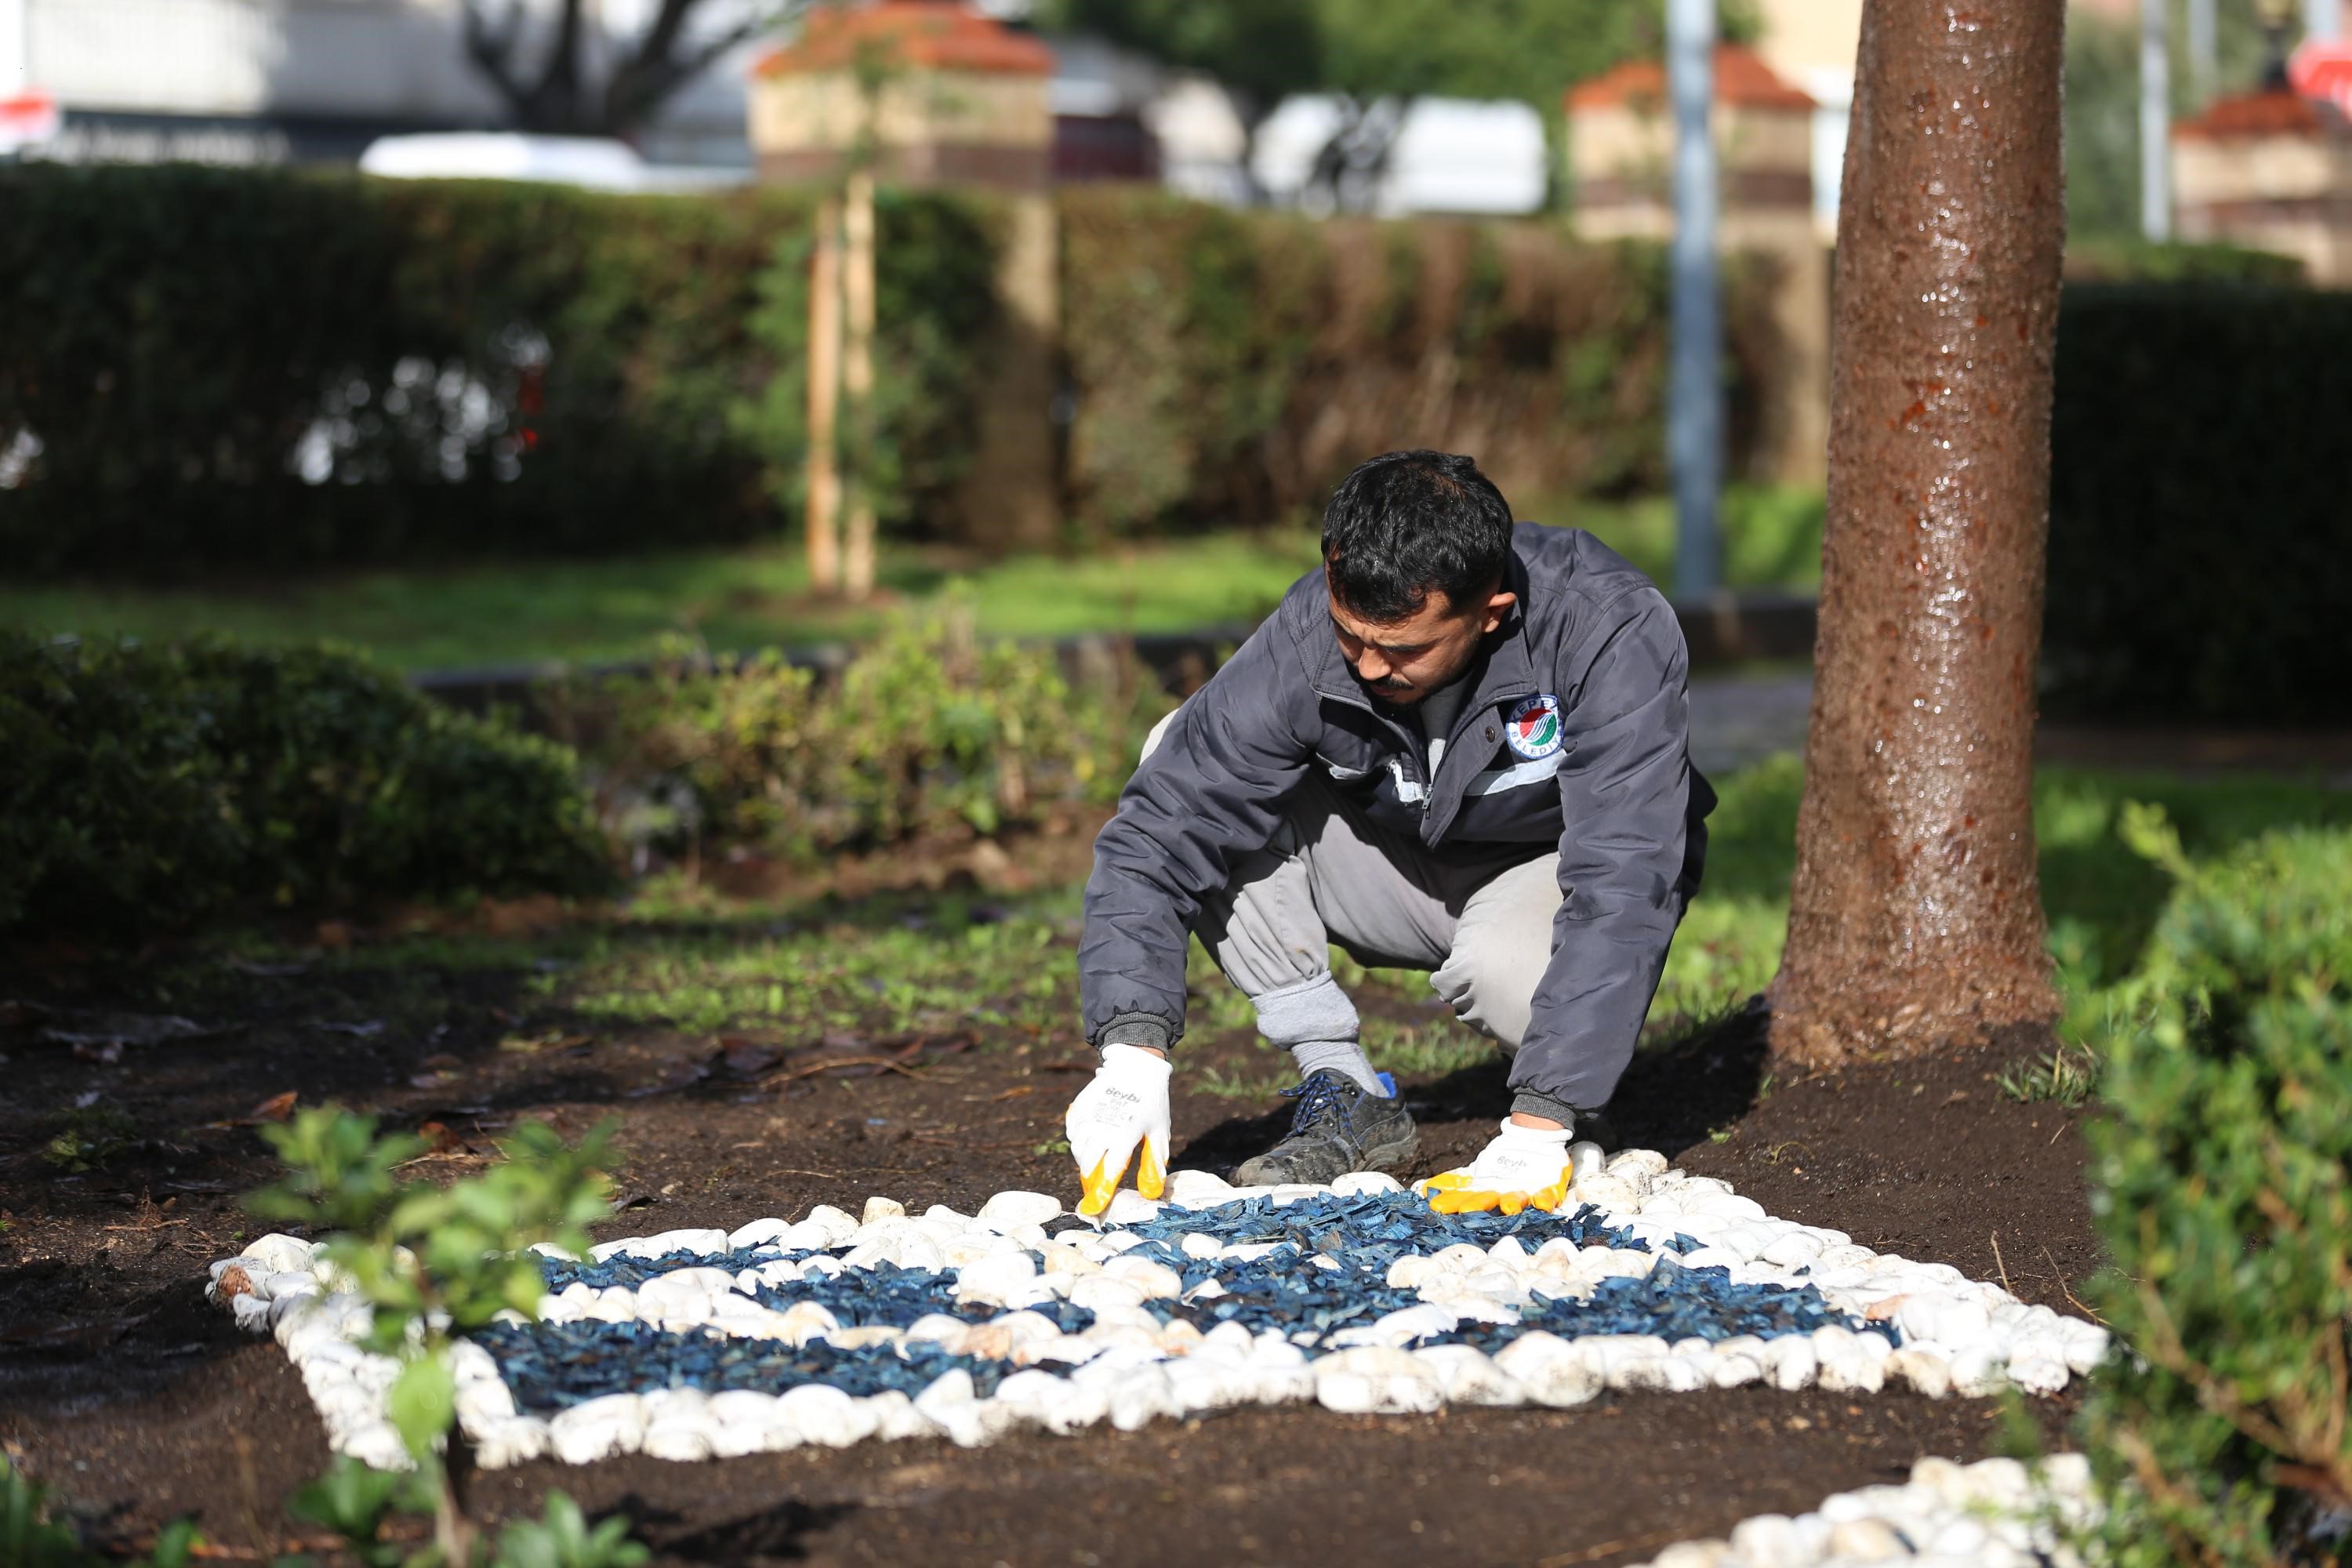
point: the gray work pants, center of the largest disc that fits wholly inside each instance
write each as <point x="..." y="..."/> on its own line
<point x="1479" y="918"/>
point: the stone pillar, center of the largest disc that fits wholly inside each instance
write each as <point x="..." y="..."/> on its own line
<point x="1620" y="146"/>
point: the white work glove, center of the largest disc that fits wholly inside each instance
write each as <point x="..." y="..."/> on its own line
<point x="1523" y="1167"/>
<point x="1124" y="1109"/>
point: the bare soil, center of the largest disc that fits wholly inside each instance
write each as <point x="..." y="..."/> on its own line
<point x="124" y="1392"/>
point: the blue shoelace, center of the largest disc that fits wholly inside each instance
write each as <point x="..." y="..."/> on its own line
<point x="1319" y="1094"/>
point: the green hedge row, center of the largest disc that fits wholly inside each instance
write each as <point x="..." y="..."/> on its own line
<point x="1232" y="366"/>
<point x="235" y="369"/>
<point x="2218" y="1430"/>
<point x="2200" y="509"/>
<point x="143" y="788"/>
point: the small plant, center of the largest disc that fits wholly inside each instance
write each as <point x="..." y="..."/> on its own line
<point x="30" y="1539"/>
<point x="434" y="1262"/>
<point x="85" y="1140"/>
<point x="2067" y="1076"/>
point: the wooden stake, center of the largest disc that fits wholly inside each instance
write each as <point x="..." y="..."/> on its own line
<point x="858" y="382"/>
<point x="824" y="401"/>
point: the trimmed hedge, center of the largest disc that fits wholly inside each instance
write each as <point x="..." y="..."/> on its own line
<point x="238" y="369"/>
<point x="142" y="789"/>
<point x="2219" y="1434"/>
<point x="1233" y="366"/>
<point x="228" y="368"/>
<point x="2200" y="512"/>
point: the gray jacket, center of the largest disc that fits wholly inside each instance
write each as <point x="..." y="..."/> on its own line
<point x="1602" y="770"/>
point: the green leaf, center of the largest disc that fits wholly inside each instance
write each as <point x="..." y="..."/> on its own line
<point x="423" y="1402"/>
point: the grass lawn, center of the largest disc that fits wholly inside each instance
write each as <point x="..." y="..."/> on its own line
<point x="695" y="962"/>
<point x="592" y="611"/>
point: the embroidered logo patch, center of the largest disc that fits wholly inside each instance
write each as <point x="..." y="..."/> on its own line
<point x="1533" y="729"/>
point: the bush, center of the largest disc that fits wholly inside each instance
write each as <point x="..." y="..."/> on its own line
<point x="1234" y="364"/>
<point x="2198" y="567"/>
<point x="2222" y="1195"/>
<point x="145" y="788"/>
<point x="928" y="732"/>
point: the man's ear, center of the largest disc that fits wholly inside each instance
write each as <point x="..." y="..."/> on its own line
<point x="1498" y="604"/>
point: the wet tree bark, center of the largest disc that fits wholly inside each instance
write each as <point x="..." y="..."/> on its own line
<point x="1915" y="916"/>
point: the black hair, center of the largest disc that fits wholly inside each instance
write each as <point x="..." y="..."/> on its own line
<point x="1407" y="523"/>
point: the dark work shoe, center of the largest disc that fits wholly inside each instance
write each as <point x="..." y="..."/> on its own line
<point x="1339" y="1126"/>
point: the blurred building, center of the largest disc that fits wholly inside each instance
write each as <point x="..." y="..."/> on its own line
<point x="1810" y="43"/>
<point x="1620" y="142"/>
<point x="2270" y="171"/>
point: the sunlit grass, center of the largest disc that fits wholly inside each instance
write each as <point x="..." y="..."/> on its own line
<point x="583" y="612"/>
<point x="908" y="966"/>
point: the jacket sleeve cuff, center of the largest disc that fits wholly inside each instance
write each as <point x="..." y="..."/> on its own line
<point x="1147" y="1029"/>
<point x="1529" y="1102"/>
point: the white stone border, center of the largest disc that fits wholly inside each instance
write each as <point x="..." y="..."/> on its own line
<point x="1959" y="1335"/>
<point x="1997" y="1513"/>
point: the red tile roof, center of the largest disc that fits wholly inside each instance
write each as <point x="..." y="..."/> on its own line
<point x="936" y="33"/>
<point x="2274" y="114"/>
<point x="1741" y="78"/>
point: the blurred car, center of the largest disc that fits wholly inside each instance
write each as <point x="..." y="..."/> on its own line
<point x="593" y="163"/>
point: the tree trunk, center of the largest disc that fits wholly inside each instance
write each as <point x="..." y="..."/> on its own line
<point x="823" y="403"/>
<point x="1915" y="916"/>
<point x="858" y="386"/>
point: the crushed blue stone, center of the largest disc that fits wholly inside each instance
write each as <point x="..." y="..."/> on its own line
<point x="628" y="1273"/>
<point x="551" y="1366"/>
<point x="1372" y="1230"/>
<point x="888" y="1296"/>
<point x="1678" y="1303"/>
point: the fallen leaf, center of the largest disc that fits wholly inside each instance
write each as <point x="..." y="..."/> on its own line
<point x="1015" y="1093"/>
<point x="438" y="1137"/>
<point x="442" y="1061"/>
<point x="277" y="1107"/>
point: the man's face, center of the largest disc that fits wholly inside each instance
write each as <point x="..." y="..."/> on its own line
<point x="1401" y="662"/>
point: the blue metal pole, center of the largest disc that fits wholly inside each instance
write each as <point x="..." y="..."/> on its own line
<point x="1695" y="397"/>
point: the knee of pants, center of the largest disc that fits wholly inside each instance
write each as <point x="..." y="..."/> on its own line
<point x="1490" y="982"/>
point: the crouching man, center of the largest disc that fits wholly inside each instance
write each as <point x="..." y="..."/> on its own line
<point x="1462" y="745"/>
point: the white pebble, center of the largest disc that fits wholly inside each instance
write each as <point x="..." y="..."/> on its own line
<point x="598" y="1428"/>
<point x="1375" y="1380"/>
<point x="1008" y="1209"/>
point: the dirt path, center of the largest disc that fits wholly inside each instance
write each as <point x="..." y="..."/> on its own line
<point x="118" y="1388"/>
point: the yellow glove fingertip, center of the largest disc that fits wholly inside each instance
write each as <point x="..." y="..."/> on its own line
<point x="1512" y="1202"/>
<point x="1150" y="1172"/>
<point x="1444" y="1182"/>
<point x="1095" y="1188"/>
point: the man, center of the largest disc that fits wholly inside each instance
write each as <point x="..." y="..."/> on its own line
<point x="1462" y="745"/>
